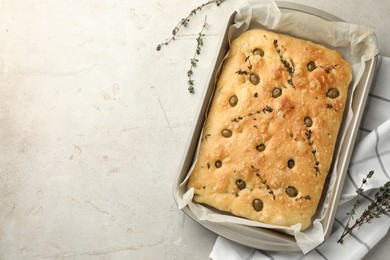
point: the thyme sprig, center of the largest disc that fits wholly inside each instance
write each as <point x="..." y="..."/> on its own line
<point x="263" y="181"/>
<point x="194" y="60"/>
<point x="266" y="109"/>
<point x="306" y="197"/>
<point x="329" y="68"/>
<point x="246" y="72"/>
<point x="289" y="65"/>
<point x="379" y="206"/>
<point x="313" y="151"/>
<point x="184" y="21"/>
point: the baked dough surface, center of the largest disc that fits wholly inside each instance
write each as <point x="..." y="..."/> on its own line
<point x="269" y="138"/>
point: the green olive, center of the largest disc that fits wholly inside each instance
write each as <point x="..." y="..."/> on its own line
<point x="218" y="164"/>
<point x="258" y="51"/>
<point x="257" y="204"/>
<point x="227" y="133"/>
<point x="311" y="66"/>
<point x="233" y="101"/>
<point x="240" y="184"/>
<point x="333" y="93"/>
<point x="308" y="122"/>
<point x="260" y="147"/>
<point x="291" y="191"/>
<point x="291" y="163"/>
<point x="254" y="78"/>
<point x="277" y="92"/>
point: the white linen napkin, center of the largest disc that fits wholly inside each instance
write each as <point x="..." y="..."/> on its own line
<point x="372" y="152"/>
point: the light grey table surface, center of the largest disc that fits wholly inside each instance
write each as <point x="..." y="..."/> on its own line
<point x="93" y="124"/>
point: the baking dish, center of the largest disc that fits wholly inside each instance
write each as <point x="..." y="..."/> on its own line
<point x="262" y="238"/>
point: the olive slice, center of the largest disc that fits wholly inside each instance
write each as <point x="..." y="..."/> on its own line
<point x="218" y="164"/>
<point x="291" y="191"/>
<point x="311" y="66"/>
<point x="233" y="101"/>
<point x="227" y="133"/>
<point x="277" y="92"/>
<point x="254" y="78"/>
<point x="259" y="52"/>
<point x="291" y="163"/>
<point x="240" y="184"/>
<point x="257" y="204"/>
<point x="333" y="93"/>
<point x="260" y="147"/>
<point x="308" y="122"/>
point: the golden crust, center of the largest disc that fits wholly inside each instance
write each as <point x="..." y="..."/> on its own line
<point x="279" y="144"/>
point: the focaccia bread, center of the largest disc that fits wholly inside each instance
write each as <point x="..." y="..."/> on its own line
<point x="271" y="130"/>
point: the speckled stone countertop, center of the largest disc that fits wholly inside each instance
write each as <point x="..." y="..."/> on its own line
<point x="93" y="124"/>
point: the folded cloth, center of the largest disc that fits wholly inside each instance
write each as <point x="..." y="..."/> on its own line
<point x="372" y="152"/>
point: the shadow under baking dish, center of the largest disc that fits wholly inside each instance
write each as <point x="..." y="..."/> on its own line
<point x="262" y="238"/>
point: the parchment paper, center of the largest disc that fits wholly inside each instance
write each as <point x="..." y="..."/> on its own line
<point x="356" y="43"/>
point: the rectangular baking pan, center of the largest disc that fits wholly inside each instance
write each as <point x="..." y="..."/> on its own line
<point x="262" y="238"/>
